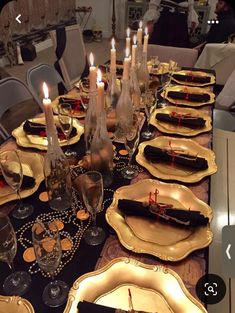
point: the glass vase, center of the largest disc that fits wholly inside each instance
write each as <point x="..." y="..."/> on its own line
<point x="56" y="169"/>
<point x="124" y="111"/>
<point x="143" y="74"/>
<point x="90" y="120"/>
<point x="102" y="150"/>
<point x="113" y="92"/>
<point x="135" y="88"/>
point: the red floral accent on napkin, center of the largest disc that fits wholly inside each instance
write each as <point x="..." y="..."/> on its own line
<point x="2" y="183"/>
<point x="42" y="133"/>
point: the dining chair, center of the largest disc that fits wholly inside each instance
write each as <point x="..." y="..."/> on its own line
<point x="71" y="53"/>
<point x="183" y="56"/>
<point x="13" y="91"/>
<point x="226" y="98"/>
<point x="40" y="73"/>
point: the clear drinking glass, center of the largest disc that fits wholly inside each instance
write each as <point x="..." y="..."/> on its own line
<point x="65" y="117"/>
<point x="47" y="248"/>
<point x="92" y="195"/>
<point x="149" y="105"/>
<point x="13" y="173"/>
<point x="18" y="282"/>
<point x="131" y="142"/>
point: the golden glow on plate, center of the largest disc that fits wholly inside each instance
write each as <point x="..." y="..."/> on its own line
<point x="169" y="172"/>
<point x="151" y="287"/>
<point x="170" y="128"/>
<point x="197" y="74"/>
<point x="34" y="141"/>
<point x="35" y="162"/>
<point x="187" y="89"/>
<point x="15" y="304"/>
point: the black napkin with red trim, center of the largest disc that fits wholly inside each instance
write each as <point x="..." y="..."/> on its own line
<point x="192" y="78"/>
<point x="193" y="97"/>
<point x="158" y="155"/>
<point x="181" y="120"/>
<point x="88" y="307"/>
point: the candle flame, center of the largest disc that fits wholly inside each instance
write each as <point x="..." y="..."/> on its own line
<point x="146" y="31"/>
<point x="128" y="32"/>
<point x="127" y="52"/>
<point x="140" y="24"/>
<point x="113" y="43"/>
<point x="91" y="59"/>
<point x="99" y="76"/>
<point x="45" y="90"/>
<point x="134" y="39"/>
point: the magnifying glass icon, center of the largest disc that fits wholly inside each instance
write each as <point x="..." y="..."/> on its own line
<point x="211" y="289"/>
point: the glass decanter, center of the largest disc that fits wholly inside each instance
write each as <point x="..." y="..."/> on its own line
<point x="102" y="150"/>
<point x="56" y="169"/>
<point x="124" y="111"/>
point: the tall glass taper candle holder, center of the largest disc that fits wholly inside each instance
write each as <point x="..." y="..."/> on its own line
<point x="56" y="166"/>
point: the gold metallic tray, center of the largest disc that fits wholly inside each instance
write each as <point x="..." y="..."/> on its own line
<point x="35" y="162"/>
<point x="15" y="304"/>
<point x="187" y="89"/>
<point x="161" y="239"/>
<point x="153" y="288"/>
<point x="37" y="142"/>
<point x="79" y="114"/>
<point x="169" y="172"/>
<point x="170" y="128"/>
<point x="195" y="74"/>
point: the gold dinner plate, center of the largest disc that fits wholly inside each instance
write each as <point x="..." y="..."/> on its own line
<point x="162" y="69"/>
<point x="77" y="114"/>
<point x="153" y="289"/>
<point x="188" y="89"/>
<point x="173" y="172"/>
<point x="195" y="74"/>
<point x="35" y="162"/>
<point x="15" y="304"/>
<point x="170" y="128"/>
<point x="161" y="239"/>
<point x="37" y="142"/>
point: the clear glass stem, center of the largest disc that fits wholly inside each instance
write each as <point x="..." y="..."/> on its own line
<point x="21" y="207"/>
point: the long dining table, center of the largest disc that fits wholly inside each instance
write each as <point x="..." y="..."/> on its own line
<point x="88" y="258"/>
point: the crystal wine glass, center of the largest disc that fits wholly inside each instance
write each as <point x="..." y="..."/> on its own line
<point x="149" y="105"/>
<point x="92" y="195"/>
<point x="131" y="143"/>
<point x="48" y="252"/>
<point x="13" y="174"/>
<point x="65" y="117"/>
<point x="18" y="282"/>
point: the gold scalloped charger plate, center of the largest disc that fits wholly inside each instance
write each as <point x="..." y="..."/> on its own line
<point x="37" y="142"/>
<point x="162" y="69"/>
<point x="153" y="289"/>
<point x="161" y="239"/>
<point x="15" y="304"/>
<point x="171" y="128"/>
<point x="10" y="304"/>
<point x="194" y="74"/>
<point x="34" y="162"/>
<point x="77" y="114"/>
<point x="169" y="172"/>
<point x="188" y="89"/>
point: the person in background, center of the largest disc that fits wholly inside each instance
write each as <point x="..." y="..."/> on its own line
<point x="170" y="22"/>
<point x="220" y="32"/>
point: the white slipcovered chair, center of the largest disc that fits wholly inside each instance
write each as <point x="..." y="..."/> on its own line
<point x="226" y="98"/>
<point x="183" y="56"/>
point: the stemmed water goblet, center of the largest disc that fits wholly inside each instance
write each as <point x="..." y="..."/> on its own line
<point x="12" y="171"/>
<point x="92" y="195"/>
<point x="18" y="282"/>
<point x="131" y="142"/>
<point x="48" y="252"/>
<point x="149" y="106"/>
<point x="65" y="116"/>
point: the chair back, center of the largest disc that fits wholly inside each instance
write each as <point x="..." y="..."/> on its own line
<point x="73" y="61"/>
<point x="226" y="98"/>
<point x="13" y="91"/>
<point x="43" y="73"/>
<point x="183" y="56"/>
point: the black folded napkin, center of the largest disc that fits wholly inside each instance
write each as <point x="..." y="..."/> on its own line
<point x="33" y="128"/>
<point x="192" y="78"/>
<point x="76" y="104"/>
<point x="158" y="155"/>
<point x="194" y="97"/>
<point x="88" y="307"/>
<point x="165" y="212"/>
<point x="27" y="182"/>
<point x="181" y="120"/>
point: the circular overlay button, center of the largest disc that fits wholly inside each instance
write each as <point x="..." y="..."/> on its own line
<point x="210" y="289"/>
